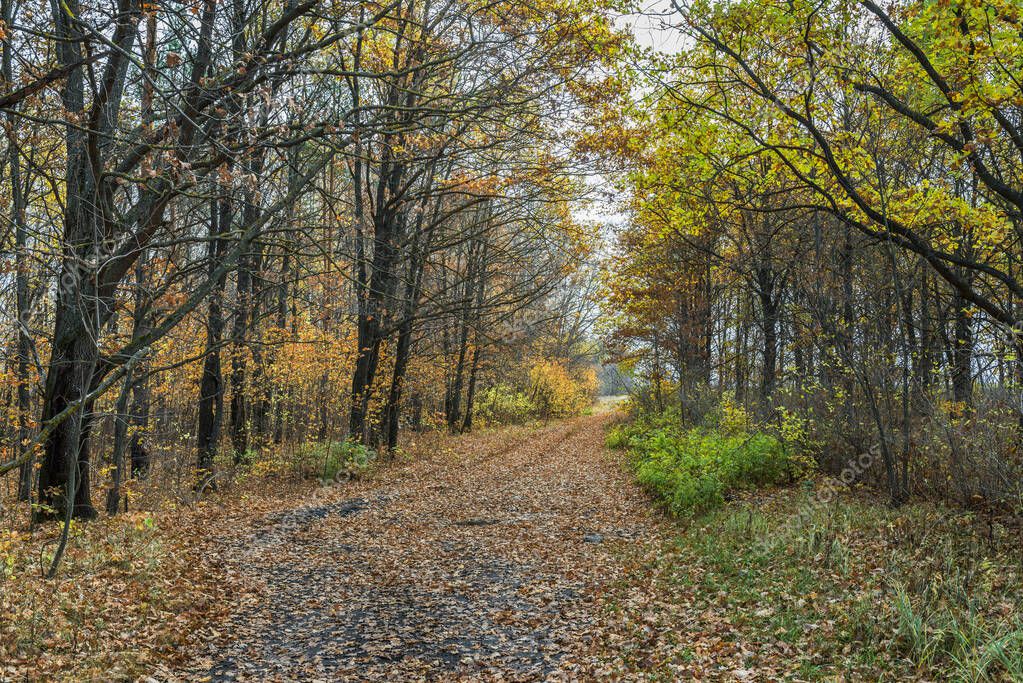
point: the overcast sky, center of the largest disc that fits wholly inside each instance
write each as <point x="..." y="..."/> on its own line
<point x="652" y="25"/>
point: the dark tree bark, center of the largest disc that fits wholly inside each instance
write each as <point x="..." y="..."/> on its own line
<point x="770" y="310"/>
<point x="81" y="309"/>
<point x="139" y="448"/>
<point x="245" y="316"/>
<point x="376" y="286"/>
<point x="120" y="444"/>
<point x="377" y="296"/>
<point x="239" y="332"/>
<point x="962" y="353"/>
<point x="211" y="384"/>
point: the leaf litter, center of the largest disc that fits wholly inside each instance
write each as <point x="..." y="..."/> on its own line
<point x="486" y="560"/>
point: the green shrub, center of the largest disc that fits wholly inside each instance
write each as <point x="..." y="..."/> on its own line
<point x="620" y="436"/>
<point x="693" y="471"/>
<point x="334" y="460"/>
<point x="503" y="404"/>
<point x="728" y="416"/>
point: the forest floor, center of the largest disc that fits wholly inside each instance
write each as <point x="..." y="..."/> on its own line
<point x="528" y="554"/>
<point x="484" y="560"/>
<point x="514" y="554"/>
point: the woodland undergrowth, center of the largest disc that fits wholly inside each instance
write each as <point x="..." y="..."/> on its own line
<point x="812" y="579"/>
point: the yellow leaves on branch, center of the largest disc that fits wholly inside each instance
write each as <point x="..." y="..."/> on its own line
<point x="557" y="391"/>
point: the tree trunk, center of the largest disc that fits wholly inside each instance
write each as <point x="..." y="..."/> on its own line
<point x="244" y="320"/>
<point x="139" y="451"/>
<point x="470" y="392"/>
<point x="238" y="426"/>
<point x="770" y="351"/>
<point x="64" y="477"/>
<point x="120" y="444"/>
<point x="769" y="309"/>
<point x="962" y="353"/>
<point x="403" y="353"/>
<point x="392" y="412"/>
<point x="83" y="303"/>
<point x="374" y="305"/>
<point x="211" y="385"/>
<point x="21" y="286"/>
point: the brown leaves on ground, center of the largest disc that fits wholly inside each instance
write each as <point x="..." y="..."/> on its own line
<point x="483" y="558"/>
<point x="519" y="554"/>
<point x="130" y="590"/>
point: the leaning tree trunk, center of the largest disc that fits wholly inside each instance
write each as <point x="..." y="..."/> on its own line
<point x="392" y="411"/>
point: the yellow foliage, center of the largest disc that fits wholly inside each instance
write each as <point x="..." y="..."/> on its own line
<point x="557" y="392"/>
<point x="735" y="419"/>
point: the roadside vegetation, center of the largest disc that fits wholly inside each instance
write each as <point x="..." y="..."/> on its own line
<point x="553" y="390"/>
<point x="795" y="574"/>
<point x="824" y="235"/>
<point x="695" y="470"/>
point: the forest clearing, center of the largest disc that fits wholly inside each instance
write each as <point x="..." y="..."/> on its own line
<point x="490" y="340"/>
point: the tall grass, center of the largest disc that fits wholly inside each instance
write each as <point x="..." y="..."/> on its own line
<point x="958" y="638"/>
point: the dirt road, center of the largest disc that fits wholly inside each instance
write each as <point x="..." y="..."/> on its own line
<point x="485" y="559"/>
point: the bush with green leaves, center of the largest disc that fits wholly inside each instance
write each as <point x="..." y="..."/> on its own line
<point x="642" y="423"/>
<point x="334" y="460"/>
<point x="503" y="404"/>
<point x="693" y="470"/>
